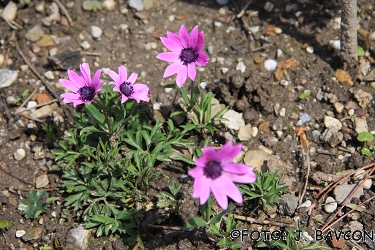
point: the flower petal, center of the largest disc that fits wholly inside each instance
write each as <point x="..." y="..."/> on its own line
<point x="69" y="85"/>
<point x="202" y="185"/>
<point x="123" y="74"/>
<point x="218" y="189"/>
<point x="132" y="78"/>
<point x="202" y="59"/>
<point x="124" y="98"/>
<point x="171" y="44"/>
<point x="78" y="80"/>
<point x="175" y="38"/>
<point x="85" y="72"/>
<point x="72" y="98"/>
<point x="96" y="81"/>
<point x="245" y="178"/>
<point x="193" y="37"/>
<point x="200" y="41"/>
<point x="181" y="76"/>
<point x="231" y="190"/>
<point x="208" y="154"/>
<point x="228" y="152"/>
<point x="168" y="56"/>
<point x="141" y="92"/>
<point x="196" y="172"/>
<point x="173" y="69"/>
<point x="184" y="37"/>
<point x="235" y="168"/>
<point x="192" y="72"/>
<point x="115" y="77"/>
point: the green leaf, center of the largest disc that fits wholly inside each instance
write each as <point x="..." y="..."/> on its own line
<point x="195" y="222"/>
<point x="184" y="96"/>
<point x="88" y="129"/>
<point x="214" y="230"/>
<point x="365" y="136"/>
<point x="366" y="151"/>
<point x="184" y="159"/>
<point x="215" y="219"/>
<point x="224" y="242"/>
<point x="94" y="112"/>
<point x="360" y="51"/>
<point x="5" y="223"/>
<point x="50" y="199"/>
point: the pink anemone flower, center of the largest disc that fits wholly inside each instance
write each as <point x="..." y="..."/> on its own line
<point x="215" y="171"/>
<point x="126" y="87"/>
<point x="186" y="52"/>
<point x="83" y="87"/>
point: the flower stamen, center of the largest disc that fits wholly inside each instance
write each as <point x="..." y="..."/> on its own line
<point x="126" y="89"/>
<point x="188" y="55"/>
<point x="213" y="170"/>
<point x="87" y="93"/>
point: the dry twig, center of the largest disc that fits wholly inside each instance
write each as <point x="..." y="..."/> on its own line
<point x="262" y="222"/>
<point x="62" y="7"/>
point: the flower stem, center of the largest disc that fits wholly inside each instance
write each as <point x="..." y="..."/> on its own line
<point x="105" y="115"/>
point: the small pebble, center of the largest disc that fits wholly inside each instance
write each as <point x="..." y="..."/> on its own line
<point x="96" y="32"/>
<point x="19" y="154"/>
<point x="85" y="45"/>
<point x="330" y="205"/>
<point x="241" y="67"/>
<point x="20" y="233"/>
<point x="310" y="49"/>
<point x="270" y="64"/>
<point x="203" y="85"/>
<point x="2" y="59"/>
<point x="49" y="75"/>
<point x="268" y="6"/>
<point x="109" y="5"/>
<point x="367" y="184"/>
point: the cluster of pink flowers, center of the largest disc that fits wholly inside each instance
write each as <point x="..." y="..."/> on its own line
<point x="214" y="170"/>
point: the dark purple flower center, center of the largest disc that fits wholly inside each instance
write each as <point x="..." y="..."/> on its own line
<point x="188" y="55"/>
<point x="213" y="170"/>
<point x="87" y="93"/>
<point x="126" y="88"/>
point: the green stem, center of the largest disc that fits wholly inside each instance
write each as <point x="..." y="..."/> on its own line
<point x="105" y="115"/>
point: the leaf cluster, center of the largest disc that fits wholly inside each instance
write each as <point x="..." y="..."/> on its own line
<point x="35" y="204"/>
<point x="169" y="200"/>
<point x="266" y="188"/>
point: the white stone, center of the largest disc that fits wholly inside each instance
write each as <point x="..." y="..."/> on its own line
<point x="305" y="204"/>
<point x="7" y="77"/>
<point x="233" y="120"/>
<point x="11" y="100"/>
<point x="310" y="49"/>
<point x="330" y="205"/>
<point x="85" y="45"/>
<point x="10" y="11"/>
<point x="168" y="90"/>
<point x="278" y="30"/>
<point x="95" y="31"/>
<point x="360" y="125"/>
<point x="41" y="181"/>
<point x="282" y="112"/>
<point x="218" y="24"/>
<point x="40" y="6"/>
<point x="279" y="53"/>
<point x="367" y="184"/>
<point x="284" y="83"/>
<point x="254" y="131"/>
<point x="81" y="235"/>
<point x="203" y="85"/>
<point x="254" y="29"/>
<point x="20" y="233"/>
<point x="332" y="122"/>
<point x="31" y="104"/>
<point x="136" y="4"/>
<point x="19" y="154"/>
<point x="224" y="70"/>
<point x="339" y="107"/>
<point x="109" y="5"/>
<point x="44" y="111"/>
<point x="156" y="105"/>
<point x="171" y="18"/>
<point x="241" y="67"/>
<point x="270" y="65"/>
<point x="335" y="44"/>
<point x="49" y="75"/>
<point x="244" y="133"/>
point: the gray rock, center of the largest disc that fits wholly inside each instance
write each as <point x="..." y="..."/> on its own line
<point x="20" y="154"/>
<point x="233" y="120"/>
<point x="91" y="5"/>
<point x="316" y="135"/>
<point x="32" y="233"/>
<point x="44" y="111"/>
<point x="136" y="4"/>
<point x="330" y="205"/>
<point x="256" y="159"/>
<point x="81" y="236"/>
<point x="288" y="204"/>
<point x="342" y="191"/>
<point x="363" y="98"/>
<point x="332" y="122"/>
<point x="96" y="32"/>
<point x="244" y="133"/>
<point x="41" y="181"/>
<point x="35" y="33"/>
<point x="148" y="4"/>
<point x="332" y="136"/>
<point x="320" y="95"/>
<point x="360" y="125"/>
<point x="7" y="77"/>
